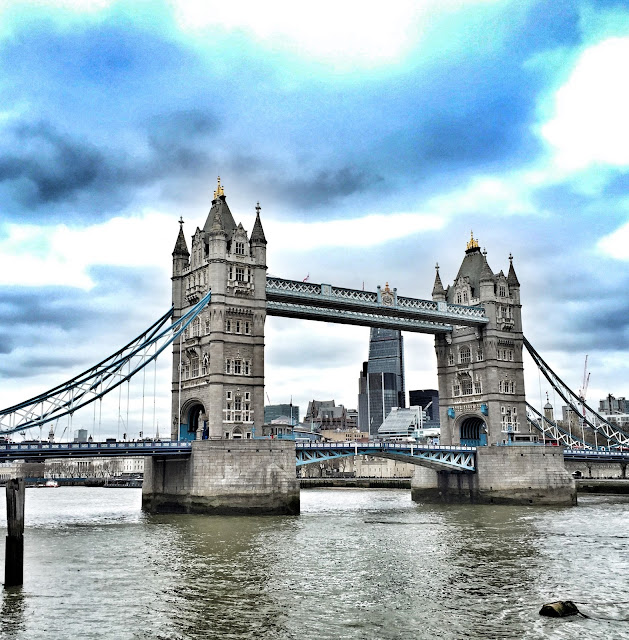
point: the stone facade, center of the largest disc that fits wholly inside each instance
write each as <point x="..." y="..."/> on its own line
<point x="218" y="364"/>
<point x="480" y="371"/>
<point x="224" y="477"/>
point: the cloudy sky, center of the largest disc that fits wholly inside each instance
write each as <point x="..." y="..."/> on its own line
<point x="374" y="137"/>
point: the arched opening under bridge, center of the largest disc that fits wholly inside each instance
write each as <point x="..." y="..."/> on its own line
<point x="473" y="432"/>
<point x="188" y="431"/>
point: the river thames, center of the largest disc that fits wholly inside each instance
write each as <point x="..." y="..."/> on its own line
<point x="357" y="563"/>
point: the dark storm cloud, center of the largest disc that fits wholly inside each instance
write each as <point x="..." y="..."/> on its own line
<point x="60" y="328"/>
<point x="55" y="171"/>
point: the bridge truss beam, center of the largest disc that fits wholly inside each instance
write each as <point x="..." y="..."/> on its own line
<point x="100" y="379"/>
<point x="439" y="458"/>
<point x="312" y="301"/>
<point x="553" y="431"/>
<point x="587" y="415"/>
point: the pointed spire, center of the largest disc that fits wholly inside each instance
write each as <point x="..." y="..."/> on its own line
<point x="257" y="233"/>
<point x="438" y="289"/>
<point x="512" y="279"/>
<point x="181" y="248"/>
<point x="219" y="189"/>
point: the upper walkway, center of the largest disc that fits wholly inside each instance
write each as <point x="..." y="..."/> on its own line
<point x="382" y="308"/>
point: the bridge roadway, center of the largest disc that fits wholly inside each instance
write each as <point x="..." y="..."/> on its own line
<point x="438" y="457"/>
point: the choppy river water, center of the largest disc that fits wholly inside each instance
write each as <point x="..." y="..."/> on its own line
<point x="354" y="564"/>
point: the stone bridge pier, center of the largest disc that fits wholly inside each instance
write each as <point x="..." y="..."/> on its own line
<point x="525" y="474"/>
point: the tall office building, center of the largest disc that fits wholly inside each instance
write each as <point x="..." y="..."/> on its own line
<point x="381" y="382"/>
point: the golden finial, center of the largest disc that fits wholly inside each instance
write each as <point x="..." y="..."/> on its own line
<point x="219" y="189"/>
<point x="472" y="244"/>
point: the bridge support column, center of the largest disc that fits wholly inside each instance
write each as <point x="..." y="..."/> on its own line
<point x="504" y="475"/>
<point x="223" y="477"/>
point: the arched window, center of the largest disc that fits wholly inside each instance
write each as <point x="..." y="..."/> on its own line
<point x="450" y="358"/>
<point x="465" y="355"/>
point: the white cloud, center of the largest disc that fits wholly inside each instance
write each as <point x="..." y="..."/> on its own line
<point x="616" y="244"/>
<point x="32" y="255"/>
<point x="343" y="34"/>
<point x="590" y="122"/>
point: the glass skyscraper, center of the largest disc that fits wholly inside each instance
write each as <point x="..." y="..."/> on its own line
<point x="381" y="383"/>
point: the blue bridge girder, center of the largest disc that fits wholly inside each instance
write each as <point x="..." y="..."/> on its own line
<point x="45" y="450"/>
<point x="310" y="301"/>
<point x="436" y="457"/>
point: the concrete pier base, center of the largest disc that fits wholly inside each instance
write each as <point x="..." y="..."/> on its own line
<point x="224" y="477"/>
<point x="504" y="475"/>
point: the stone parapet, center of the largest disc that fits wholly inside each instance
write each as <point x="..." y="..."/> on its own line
<point x="223" y="477"/>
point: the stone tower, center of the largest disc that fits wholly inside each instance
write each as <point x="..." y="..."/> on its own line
<point x="480" y="371"/>
<point x="218" y="365"/>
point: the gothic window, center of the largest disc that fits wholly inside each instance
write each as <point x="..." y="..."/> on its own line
<point x="511" y="355"/>
<point x="247" y="396"/>
<point x="456" y="389"/>
<point x="465" y="355"/>
<point x="206" y="364"/>
<point x="228" y="366"/>
<point x="500" y="386"/>
<point x="459" y="298"/>
<point x="195" y="327"/>
<point x="231" y="273"/>
<point x="247" y="327"/>
<point x="512" y="387"/>
<point x="228" y="325"/>
<point x="186" y="372"/>
<point x="466" y="386"/>
<point x="246" y="367"/>
<point x="195" y="367"/>
<point x="480" y="356"/>
<point x="465" y="296"/>
<point x="237" y="326"/>
<point x="238" y="403"/>
<point x="240" y="248"/>
<point x="237" y="367"/>
<point x="228" y="395"/>
<point x="478" y="387"/>
<point x="207" y="326"/>
<point x="450" y="358"/>
<point x="502" y="291"/>
<point x="240" y="274"/>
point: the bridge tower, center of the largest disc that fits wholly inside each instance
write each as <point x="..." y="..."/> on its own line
<point x="480" y="370"/>
<point x="218" y="381"/>
<point x="218" y="366"/>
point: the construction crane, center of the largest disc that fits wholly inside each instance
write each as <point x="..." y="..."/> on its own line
<point x="582" y="394"/>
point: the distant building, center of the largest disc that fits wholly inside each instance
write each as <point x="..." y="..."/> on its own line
<point x="326" y="414"/>
<point x="381" y="381"/>
<point x="427" y="399"/>
<point x="274" y="411"/>
<point x="611" y="405"/>
<point x="401" y="423"/>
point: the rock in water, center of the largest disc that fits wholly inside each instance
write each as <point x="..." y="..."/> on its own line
<point x="559" y="609"/>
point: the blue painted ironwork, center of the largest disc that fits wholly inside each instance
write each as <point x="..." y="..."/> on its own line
<point x="436" y="457"/>
<point x="45" y="450"/>
<point x="590" y="418"/>
<point x="294" y="299"/>
<point x="597" y="455"/>
<point x="100" y="379"/>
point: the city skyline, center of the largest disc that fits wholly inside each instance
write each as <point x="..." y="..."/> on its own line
<point x="371" y="164"/>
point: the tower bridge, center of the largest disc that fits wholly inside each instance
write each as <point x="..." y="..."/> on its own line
<point x="221" y="295"/>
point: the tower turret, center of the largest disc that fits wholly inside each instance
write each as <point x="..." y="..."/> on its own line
<point x="181" y="262"/>
<point x="438" y="292"/>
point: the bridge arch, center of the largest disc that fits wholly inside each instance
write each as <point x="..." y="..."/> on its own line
<point x="472" y="431"/>
<point x="193" y="415"/>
